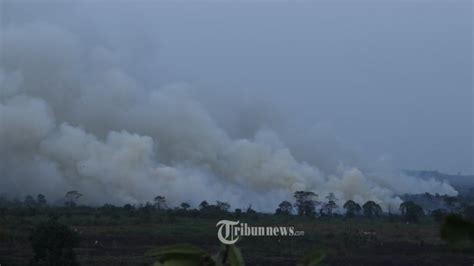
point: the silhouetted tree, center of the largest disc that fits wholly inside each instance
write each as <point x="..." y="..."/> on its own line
<point x="250" y="210"/>
<point x="330" y="205"/>
<point x="41" y="199"/>
<point x="284" y="208"/>
<point x="371" y="209"/>
<point x="331" y="197"/>
<point x="203" y="205"/>
<point x="411" y="211"/>
<point x="352" y="208"/>
<point x="223" y="206"/>
<point x="72" y="197"/>
<point x="29" y="201"/>
<point x="185" y="206"/>
<point x="212" y="210"/>
<point x="160" y="202"/>
<point x="306" y="202"/>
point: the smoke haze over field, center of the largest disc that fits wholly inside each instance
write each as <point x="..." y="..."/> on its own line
<point x="195" y="102"/>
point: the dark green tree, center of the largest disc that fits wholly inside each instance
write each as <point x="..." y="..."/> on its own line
<point x="306" y="202"/>
<point x="185" y="206"/>
<point x="29" y="201"/>
<point x="330" y="205"/>
<point x="250" y="210"/>
<point x="72" y="197"/>
<point x="223" y="206"/>
<point x="371" y="209"/>
<point x="41" y="199"/>
<point x="284" y="208"/>
<point x="203" y="205"/>
<point x="352" y="208"/>
<point x="411" y="211"/>
<point x="160" y="202"/>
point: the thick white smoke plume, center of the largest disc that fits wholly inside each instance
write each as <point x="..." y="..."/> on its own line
<point x="72" y="118"/>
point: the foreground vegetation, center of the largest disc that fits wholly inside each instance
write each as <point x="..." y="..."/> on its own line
<point x="111" y="235"/>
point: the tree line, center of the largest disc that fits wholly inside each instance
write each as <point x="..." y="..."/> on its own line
<point x="306" y="204"/>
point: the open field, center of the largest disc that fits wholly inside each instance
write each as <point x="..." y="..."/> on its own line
<point x="123" y="240"/>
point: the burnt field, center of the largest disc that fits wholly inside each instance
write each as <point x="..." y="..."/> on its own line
<point x="123" y="237"/>
<point x="157" y="132"/>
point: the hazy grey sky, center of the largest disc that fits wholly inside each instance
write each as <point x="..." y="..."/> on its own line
<point x="389" y="80"/>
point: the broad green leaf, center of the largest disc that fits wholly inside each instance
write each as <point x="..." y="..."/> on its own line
<point x="314" y="258"/>
<point x="180" y="254"/>
<point x="234" y="256"/>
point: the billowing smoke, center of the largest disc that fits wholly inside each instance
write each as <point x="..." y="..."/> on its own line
<point x="73" y="118"/>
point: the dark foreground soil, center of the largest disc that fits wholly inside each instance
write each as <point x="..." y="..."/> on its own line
<point x="343" y="242"/>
